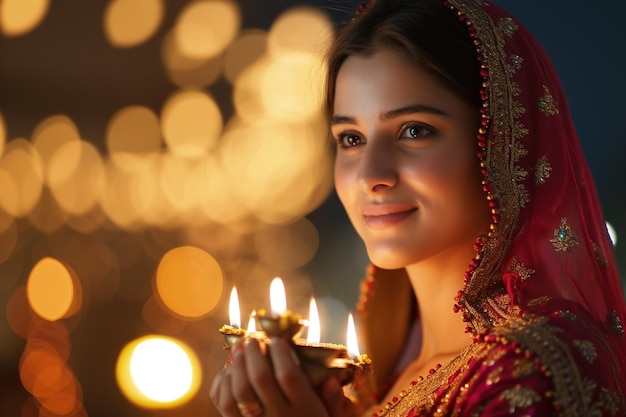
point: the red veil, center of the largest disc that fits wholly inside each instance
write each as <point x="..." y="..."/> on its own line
<point x="549" y="238"/>
<point x="548" y="248"/>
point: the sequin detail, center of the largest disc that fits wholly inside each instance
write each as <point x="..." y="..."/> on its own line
<point x="587" y="349"/>
<point x="542" y="170"/>
<point x="508" y="26"/>
<point x="547" y="104"/>
<point x="602" y="261"/>
<point x="517" y="61"/>
<point x="520" y="269"/>
<point x="564" y="238"/>
<point x="614" y="324"/>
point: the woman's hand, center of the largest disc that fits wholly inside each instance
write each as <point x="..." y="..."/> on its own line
<point x="266" y="380"/>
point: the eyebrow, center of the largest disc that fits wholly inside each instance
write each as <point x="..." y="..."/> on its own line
<point x="414" y="108"/>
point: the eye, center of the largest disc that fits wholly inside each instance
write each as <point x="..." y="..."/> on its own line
<point x="348" y="140"/>
<point x="416" y="131"/>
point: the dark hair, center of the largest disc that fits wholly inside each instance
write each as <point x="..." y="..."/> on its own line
<point x="428" y="32"/>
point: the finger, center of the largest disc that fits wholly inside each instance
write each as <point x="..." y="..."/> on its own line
<point x="332" y="396"/>
<point x="289" y="375"/>
<point x="261" y="376"/>
<point x="224" y="400"/>
<point x="241" y="386"/>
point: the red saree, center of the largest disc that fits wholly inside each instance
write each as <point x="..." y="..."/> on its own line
<point x="542" y="298"/>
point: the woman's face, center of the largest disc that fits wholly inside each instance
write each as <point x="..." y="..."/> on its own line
<point x="406" y="169"/>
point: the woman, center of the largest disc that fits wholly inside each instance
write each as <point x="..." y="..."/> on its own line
<point x="458" y="166"/>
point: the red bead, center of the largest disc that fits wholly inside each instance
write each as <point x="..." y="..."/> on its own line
<point x="484" y="72"/>
<point x="394" y="399"/>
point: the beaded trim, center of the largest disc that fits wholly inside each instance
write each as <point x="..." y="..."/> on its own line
<point x="498" y="156"/>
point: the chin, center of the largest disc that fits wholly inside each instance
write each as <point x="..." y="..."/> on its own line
<point x="387" y="260"/>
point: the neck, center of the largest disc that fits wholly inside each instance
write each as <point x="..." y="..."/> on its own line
<point x="436" y="282"/>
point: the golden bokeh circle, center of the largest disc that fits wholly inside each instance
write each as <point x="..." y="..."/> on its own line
<point x="129" y="23"/>
<point x="206" y="27"/>
<point x="18" y="17"/>
<point x="148" y="372"/>
<point x="191" y="122"/>
<point x="50" y="289"/>
<point x="189" y="282"/>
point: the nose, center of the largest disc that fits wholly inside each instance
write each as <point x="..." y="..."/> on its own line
<point x="377" y="167"/>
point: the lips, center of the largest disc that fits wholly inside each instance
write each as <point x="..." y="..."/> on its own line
<point x="380" y="216"/>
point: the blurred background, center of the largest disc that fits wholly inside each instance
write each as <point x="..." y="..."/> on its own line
<point x="156" y="153"/>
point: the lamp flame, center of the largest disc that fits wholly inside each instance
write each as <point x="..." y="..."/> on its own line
<point x="234" y="314"/>
<point x="353" y="344"/>
<point x="313" y="335"/>
<point x="278" y="299"/>
<point x="251" y="325"/>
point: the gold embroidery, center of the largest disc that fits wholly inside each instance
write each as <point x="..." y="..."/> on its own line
<point x="602" y="261"/>
<point x="501" y="303"/>
<point x="519" y="130"/>
<point x="547" y="104"/>
<point x="614" y="324"/>
<point x="503" y="152"/>
<point x="518" y="151"/>
<point x="608" y="401"/>
<point x="538" y="301"/>
<point x="589" y="387"/>
<point x="564" y="238"/>
<point x="523" y="367"/>
<point x="587" y="349"/>
<point x="520" y="397"/>
<point x="523" y="195"/>
<point x="542" y="170"/>
<point x="507" y="26"/>
<point x="421" y="396"/>
<point x="568" y="315"/>
<point x="520" y="269"/>
<point x="494" y="376"/>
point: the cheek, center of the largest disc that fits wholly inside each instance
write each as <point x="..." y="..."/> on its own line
<point x="341" y="177"/>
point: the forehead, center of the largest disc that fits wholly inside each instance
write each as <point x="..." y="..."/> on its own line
<point x="384" y="80"/>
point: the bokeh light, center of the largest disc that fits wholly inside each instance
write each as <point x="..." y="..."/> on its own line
<point x="18" y="17"/>
<point x="158" y="372"/>
<point x="76" y="176"/>
<point x="129" y="23"/>
<point x="191" y="122"/>
<point x="21" y="178"/>
<point x="3" y="134"/>
<point x="189" y="281"/>
<point x="133" y="132"/>
<point x="279" y="171"/>
<point x="50" y="135"/>
<point x="291" y="87"/>
<point x="158" y="198"/>
<point x="288" y="246"/>
<point x="300" y="30"/>
<point x="249" y="47"/>
<point x="612" y="233"/>
<point x="52" y="291"/>
<point x="206" y="27"/>
<point x="188" y="72"/>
